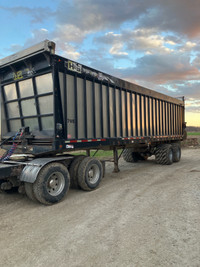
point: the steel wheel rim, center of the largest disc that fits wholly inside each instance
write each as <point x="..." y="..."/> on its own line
<point x="93" y="174"/>
<point x="178" y="153"/>
<point x="55" y="183"/>
<point x="171" y="156"/>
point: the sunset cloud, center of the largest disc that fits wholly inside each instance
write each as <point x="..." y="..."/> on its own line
<point x="164" y="68"/>
<point x="177" y="16"/>
<point x="153" y="43"/>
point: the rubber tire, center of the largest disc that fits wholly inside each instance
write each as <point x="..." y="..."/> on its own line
<point x="176" y="148"/>
<point x="73" y="171"/>
<point x="129" y="156"/>
<point x="164" y="154"/>
<point x="83" y="172"/>
<point x="29" y="191"/>
<point x="1" y="190"/>
<point x="40" y="185"/>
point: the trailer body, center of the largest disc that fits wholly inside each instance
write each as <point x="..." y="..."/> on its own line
<point x="62" y="106"/>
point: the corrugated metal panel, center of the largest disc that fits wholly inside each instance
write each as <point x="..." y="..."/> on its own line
<point x="92" y="107"/>
<point x="106" y="111"/>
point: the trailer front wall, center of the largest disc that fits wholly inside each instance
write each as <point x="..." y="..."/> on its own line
<point x="28" y="103"/>
<point x="94" y="109"/>
<point x="27" y="96"/>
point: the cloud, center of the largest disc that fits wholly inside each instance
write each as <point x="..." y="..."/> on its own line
<point x="66" y="50"/>
<point x="171" y="74"/>
<point x="190" y="90"/>
<point x="147" y="41"/>
<point x="63" y="47"/>
<point x="196" y="61"/>
<point x="138" y="40"/>
<point x="69" y="33"/>
<point x="177" y="16"/>
<point x="37" y="15"/>
<point x="188" y="46"/>
<point x="14" y="48"/>
<point x="116" y="40"/>
<point x="92" y="15"/>
<point x="100" y="60"/>
<point x="172" y="40"/>
<point x="161" y="69"/>
<point x="36" y="37"/>
<point x="109" y="38"/>
<point x="154" y="43"/>
<point x="194" y="108"/>
<point x="116" y="50"/>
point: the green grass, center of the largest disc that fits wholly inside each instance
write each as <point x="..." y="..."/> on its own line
<point x="99" y="154"/>
<point x="193" y="133"/>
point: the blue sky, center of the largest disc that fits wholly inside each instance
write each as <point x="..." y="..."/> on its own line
<point x="153" y="43"/>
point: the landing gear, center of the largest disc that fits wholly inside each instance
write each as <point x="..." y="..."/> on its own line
<point x="116" y="160"/>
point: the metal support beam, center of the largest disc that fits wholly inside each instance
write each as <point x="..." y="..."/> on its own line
<point x="116" y="160"/>
<point x="88" y="153"/>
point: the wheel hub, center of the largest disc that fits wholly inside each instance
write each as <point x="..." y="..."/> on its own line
<point x="91" y="173"/>
<point x="171" y="156"/>
<point x="53" y="182"/>
<point x="56" y="183"/>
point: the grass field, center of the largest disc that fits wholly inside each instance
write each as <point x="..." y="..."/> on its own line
<point x="193" y="133"/>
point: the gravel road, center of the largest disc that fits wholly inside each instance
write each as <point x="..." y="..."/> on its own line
<point x="146" y="215"/>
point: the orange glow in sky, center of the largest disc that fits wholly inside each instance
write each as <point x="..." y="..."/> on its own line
<point x="192" y="119"/>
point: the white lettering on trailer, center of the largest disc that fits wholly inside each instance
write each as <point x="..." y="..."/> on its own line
<point x="73" y="66"/>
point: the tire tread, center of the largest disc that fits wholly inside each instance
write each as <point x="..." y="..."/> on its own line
<point x="175" y="148"/>
<point x="162" y="154"/>
<point x="29" y="191"/>
<point x="73" y="171"/>
<point x="38" y="186"/>
<point x="82" y="171"/>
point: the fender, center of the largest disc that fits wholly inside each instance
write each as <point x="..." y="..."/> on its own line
<point x="31" y="170"/>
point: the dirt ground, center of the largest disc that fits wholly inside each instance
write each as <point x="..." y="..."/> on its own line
<point x="192" y="141"/>
<point x="146" y="215"/>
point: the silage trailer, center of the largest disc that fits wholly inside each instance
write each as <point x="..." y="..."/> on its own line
<point x="52" y="106"/>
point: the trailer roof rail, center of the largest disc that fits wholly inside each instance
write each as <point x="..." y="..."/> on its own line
<point x="45" y="46"/>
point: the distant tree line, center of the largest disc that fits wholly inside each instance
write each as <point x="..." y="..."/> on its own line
<point x="193" y="129"/>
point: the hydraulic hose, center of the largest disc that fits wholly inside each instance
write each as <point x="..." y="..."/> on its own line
<point x="9" y="153"/>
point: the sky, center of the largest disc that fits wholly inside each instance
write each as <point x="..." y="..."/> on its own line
<point x="153" y="43"/>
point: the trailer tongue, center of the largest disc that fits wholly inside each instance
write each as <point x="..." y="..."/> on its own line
<point x="51" y="106"/>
